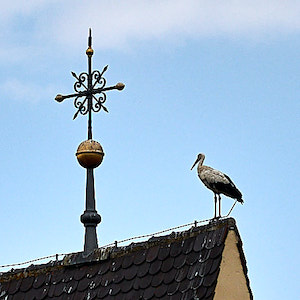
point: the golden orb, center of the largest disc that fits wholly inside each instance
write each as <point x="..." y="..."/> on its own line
<point x="90" y="154"/>
<point x="89" y="51"/>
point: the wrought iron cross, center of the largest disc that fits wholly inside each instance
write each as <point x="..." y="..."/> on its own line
<point x="90" y="90"/>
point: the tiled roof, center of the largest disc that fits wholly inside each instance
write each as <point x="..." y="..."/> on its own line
<point x="181" y="265"/>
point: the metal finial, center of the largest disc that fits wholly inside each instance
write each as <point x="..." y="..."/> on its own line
<point x="90" y="88"/>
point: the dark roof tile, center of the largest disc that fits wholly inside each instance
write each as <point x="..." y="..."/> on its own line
<point x="210" y="240"/>
<point x="104" y="267"/>
<point x="163" y="253"/>
<point x="19" y="296"/>
<point x="79" y="273"/>
<point x="192" y="258"/>
<point x="114" y="289"/>
<point x="145" y="282"/>
<point x="155" y="267"/>
<point x="170" y="276"/>
<point x="167" y="264"/>
<point x="116" y="264"/>
<point x="14" y="286"/>
<point x="201" y="292"/>
<point x="210" y="291"/>
<point x="199" y="242"/>
<point x="216" y="251"/>
<point x="127" y="261"/>
<point x="207" y="267"/>
<point x="179" y="261"/>
<point x="210" y="280"/>
<point x="215" y="265"/>
<point x="26" y="284"/>
<point x="140" y="257"/>
<point x="83" y="284"/>
<point x="42" y="293"/>
<point x="71" y="286"/>
<point x="126" y="286"/>
<point x="143" y="269"/>
<point x="148" y="293"/>
<point x="181" y="273"/>
<point x="119" y="276"/>
<point x="29" y="295"/>
<point x="59" y="289"/>
<point x="130" y="273"/>
<point x="172" y="288"/>
<point x="51" y="290"/>
<point x="193" y="271"/>
<point x="197" y="281"/>
<point x="188" y="245"/>
<point x="160" y="291"/>
<point x="188" y="295"/>
<point x="176" y="249"/>
<point x="222" y="233"/>
<point x="158" y="279"/>
<point x="176" y="296"/>
<point x="204" y="254"/>
<point x="152" y="253"/>
<point x="102" y="292"/>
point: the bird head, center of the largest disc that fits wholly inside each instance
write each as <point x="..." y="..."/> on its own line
<point x="200" y="158"/>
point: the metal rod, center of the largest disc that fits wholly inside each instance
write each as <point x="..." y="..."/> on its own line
<point x="90" y="87"/>
<point x="231" y="209"/>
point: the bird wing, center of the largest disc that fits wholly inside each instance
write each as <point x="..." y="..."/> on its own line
<point x="212" y="176"/>
<point x="219" y="182"/>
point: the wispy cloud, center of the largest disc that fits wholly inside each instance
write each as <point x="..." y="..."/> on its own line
<point x="16" y="90"/>
<point x="118" y="24"/>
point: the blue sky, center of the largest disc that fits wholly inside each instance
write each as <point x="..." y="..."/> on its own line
<point x="201" y="76"/>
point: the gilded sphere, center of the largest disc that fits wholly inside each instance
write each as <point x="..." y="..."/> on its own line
<point x="90" y="154"/>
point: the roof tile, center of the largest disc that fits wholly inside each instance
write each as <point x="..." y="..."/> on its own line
<point x="14" y="286"/>
<point x="181" y="273"/>
<point x="167" y="264"/>
<point x="188" y="245"/>
<point x="158" y="279"/>
<point x="176" y="249"/>
<point x="160" y="291"/>
<point x="148" y="293"/>
<point x="179" y="261"/>
<point x="140" y="257"/>
<point x="127" y="261"/>
<point x="170" y="276"/>
<point x="199" y="242"/>
<point x="163" y="253"/>
<point x="155" y="267"/>
<point x="143" y="269"/>
<point x="172" y="288"/>
<point x="26" y="284"/>
<point x="152" y="253"/>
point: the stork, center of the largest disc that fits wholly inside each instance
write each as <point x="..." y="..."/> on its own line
<point x="218" y="182"/>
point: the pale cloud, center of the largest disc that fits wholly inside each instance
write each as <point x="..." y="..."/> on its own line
<point x="16" y="90"/>
<point x="117" y="23"/>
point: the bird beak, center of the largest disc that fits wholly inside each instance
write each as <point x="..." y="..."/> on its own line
<point x="194" y="163"/>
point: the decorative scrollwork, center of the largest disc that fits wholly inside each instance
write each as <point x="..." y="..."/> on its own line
<point x="98" y="79"/>
<point x="98" y="103"/>
<point x="79" y="85"/>
<point x="81" y="106"/>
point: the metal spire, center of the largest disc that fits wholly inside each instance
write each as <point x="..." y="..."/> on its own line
<point x="90" y="88"/>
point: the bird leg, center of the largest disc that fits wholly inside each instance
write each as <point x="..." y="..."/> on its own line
<point x="219" y="206"/>
<point x="215" y="206"/>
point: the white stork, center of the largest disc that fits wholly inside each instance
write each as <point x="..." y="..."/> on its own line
<point x="218" y="182"/>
